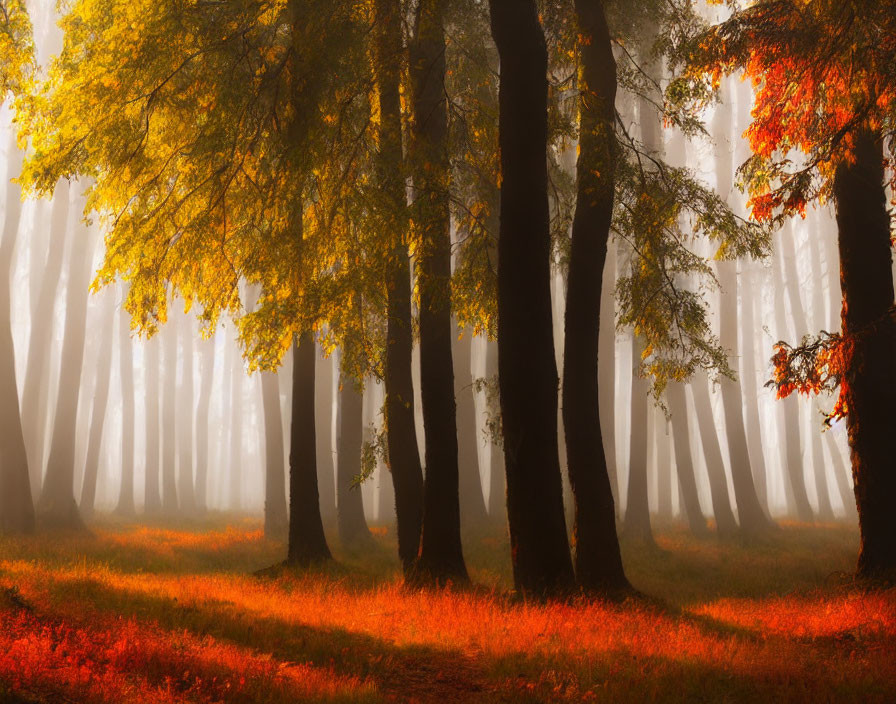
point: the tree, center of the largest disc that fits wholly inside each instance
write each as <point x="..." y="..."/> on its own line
<point x="276" y="521"/>
<point x="824" y="78"/>
<point x="207" y="369"/>
<point x="441" y="557"/>
<point x="126" y="366"/>
<point x="527" y="368"/>
<point x="152" y="498"/>
<point x="353" y="530"/>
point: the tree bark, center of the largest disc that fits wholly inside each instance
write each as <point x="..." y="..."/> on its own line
<point x="473" y="512"/>
<point x="100" y="402"/>
<point x="16" y="504"/>
<point x="307" y="543"/>
<point x="276" y="522"/>
<point x="606" y="370"/>
<point x="56" y="507"/>
<point x="527" y="367"/>
<point x="869" y="330"/>
<point x="404" y="455"/>
<point x="497" y="480"/>
<point x="126" y="366"/>
<point x="636" y="523"/>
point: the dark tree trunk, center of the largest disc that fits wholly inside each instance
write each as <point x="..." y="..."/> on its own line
<point x="126" y="366"/>
<point x="37" y="370"/>
<point x="100" y="402"/>
<point x="276" y="522"/>
<point x="528" y="369"/>
<point x="712" y="453"/>
<point x="153" y="499"/>
<point x="307" y="543"/>
<point x="869" y="330"/>
<point x="606" y="369"/>
<point x="404" y="455"/>
<point x="57" y="507"/>
<point x="169" y="421"/>
<point x="323" y="399"/>
<point x="16" y="504"/>
<point x="684" y="462"/>
<point x="441" y="557"/>
<point x="353" y="529"/>
<point x="598" y="560"/>
<point x="202" y="411"/>
<point x="473" y="512"/>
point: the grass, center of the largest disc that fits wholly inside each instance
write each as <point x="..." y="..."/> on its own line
<point x="175" y="614"/>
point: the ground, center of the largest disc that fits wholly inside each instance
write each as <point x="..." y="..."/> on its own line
<point x="177" y="614"/>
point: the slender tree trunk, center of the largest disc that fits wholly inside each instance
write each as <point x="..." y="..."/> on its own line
<point x="497" y="481"/>
<point x="153" y="499"/>
<point x="186" y="488"/>
<point x="441" y="556"/>
<point x="712" y="453"/>
<point x="16" y="504"/>
<point x="843" y="477"/>
<point x="100" y="402"/>
<point x="307" y="543"/>
<point x="684" y="462"/>
<point x="662" y="464"/>
<point x="751" y="397"/>
<point x="404" y="455"/>
<point x="353" y="528"/>
<point x="126" y="365"/>
<point x="37" y="370"/>
<point x="528" y="369"/>
<point x="276" y="522"/>
<point x="869" y="330"/>
<point x="57" y="507"/>
<point x="169" y="421"/>
<point x="236" y="429"/>
<point x="473" y="512"/>
<point x="636" y="523"/>
<point x="323" y="395"/>
<point x="202" y="413"/>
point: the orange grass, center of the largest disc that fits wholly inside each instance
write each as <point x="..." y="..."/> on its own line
<point x="91" y="624"/>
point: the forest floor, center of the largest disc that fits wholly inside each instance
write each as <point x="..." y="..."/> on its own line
<point x="161" y="613"/>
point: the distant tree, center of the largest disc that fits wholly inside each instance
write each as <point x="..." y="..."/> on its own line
<point x="353" y="530"/>
<point x="125" y="505"/>
<point x="207" y="371"/>
<point x="152" y="497"/>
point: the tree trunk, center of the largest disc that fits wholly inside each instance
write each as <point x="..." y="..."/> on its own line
<point x="16" y="504"/>
<point x="404" y="456"/>
<point x="712" y="454"/>
<point x="353" y="530"/>
<point x="323" y="398"/>
<point x="684" y="462"/>
<point x="276" y="522"/>
<point x="497" y="480"/>
<point x="662" y="461"/>
<point x="307" y="543"/>
<point x="636" y="523"/>
<point x="843" y="477"/>
<point x="236" y="429"/>
<point x="57" y="507"/>
<point x="792" y="452"/>
<point x="473" y="512"/>
<point x="126" y="366"/>
<point x="606" y="369"/>
<point x="153" y="499"/>
<point x="527" y="367"/>
<point x="202" y="411"/>
<point x="100" y="402"/>
<point x="40" y="344"/>
<point x="186" y="489"/>
<point x="869" y="330"/>
<point x="169" y="421"/>
<point x="441" y="556"/>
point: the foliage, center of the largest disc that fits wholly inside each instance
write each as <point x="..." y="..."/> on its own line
<point x="16" y="47"/>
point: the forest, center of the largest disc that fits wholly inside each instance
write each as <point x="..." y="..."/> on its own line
<point x="447" y="351"/>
